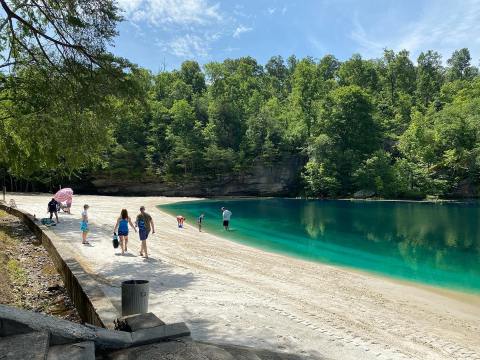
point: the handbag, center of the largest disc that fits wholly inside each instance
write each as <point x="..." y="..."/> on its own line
<point x="115" y="241"/>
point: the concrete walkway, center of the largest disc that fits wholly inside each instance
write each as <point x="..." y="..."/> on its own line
<point x="232" y="294"/>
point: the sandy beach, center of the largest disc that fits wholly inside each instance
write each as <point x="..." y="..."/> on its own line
<point x="230" y="293"/>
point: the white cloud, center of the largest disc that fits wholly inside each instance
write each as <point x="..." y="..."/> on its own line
<point x="176" y="12"/>
<point x="271" y="11"/>
<point x="189" y="46"/>
<point x="187" y="28"/>
<point x="442" y="28"/>
<point x="241" y="30"/>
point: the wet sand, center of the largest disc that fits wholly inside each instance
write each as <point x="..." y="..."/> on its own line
<point x="231" y="293"/>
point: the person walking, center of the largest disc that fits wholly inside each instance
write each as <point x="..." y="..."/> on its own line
<point x="84" y="225"/>
<point x="144" y="222"/>
<point x="200" y="221"/>
<point x="122" y="227"/>
<point x="226" y="215"/>
<point x="52" y="208"/>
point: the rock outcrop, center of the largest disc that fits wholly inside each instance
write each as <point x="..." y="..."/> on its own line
<point x="281" y="179"/>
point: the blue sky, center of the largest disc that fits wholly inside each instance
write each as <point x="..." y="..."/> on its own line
<point x="160" y="34"/>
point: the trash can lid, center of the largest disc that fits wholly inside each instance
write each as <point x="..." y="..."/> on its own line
<point x="135" y="282"/>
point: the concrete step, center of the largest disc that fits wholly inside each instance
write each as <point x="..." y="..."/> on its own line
<point x="137" y="322"/>
<point x="31" y="346"/>
<point x="77" y="351"/>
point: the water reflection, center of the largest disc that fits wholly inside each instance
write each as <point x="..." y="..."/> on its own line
<point x="435" y="243"/>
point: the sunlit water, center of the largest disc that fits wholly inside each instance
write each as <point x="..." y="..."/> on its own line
<point x="433" y="243"/>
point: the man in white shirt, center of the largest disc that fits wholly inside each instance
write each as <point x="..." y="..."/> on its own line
<point x="226" y="214"/>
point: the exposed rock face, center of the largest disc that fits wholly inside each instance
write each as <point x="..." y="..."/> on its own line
<point x="261" y="180"/>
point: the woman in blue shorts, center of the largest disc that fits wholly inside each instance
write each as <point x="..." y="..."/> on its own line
<point x="122" y="227"/>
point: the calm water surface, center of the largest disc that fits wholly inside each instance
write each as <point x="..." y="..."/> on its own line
<point x="433" y="243"/>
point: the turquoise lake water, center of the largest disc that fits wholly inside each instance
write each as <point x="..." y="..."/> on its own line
<point x="432" y="243"/>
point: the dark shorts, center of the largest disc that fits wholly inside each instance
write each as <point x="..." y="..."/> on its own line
<point x="123" y="233"/>
<point x="225" y="222"/>
<point x="143" y="234"/>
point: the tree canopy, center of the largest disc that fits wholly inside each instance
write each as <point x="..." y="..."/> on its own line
<point x="392" y="126"/>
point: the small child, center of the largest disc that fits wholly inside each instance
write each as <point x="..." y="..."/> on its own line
<point x="180" y="220"/>
<point x="84" y="225"/>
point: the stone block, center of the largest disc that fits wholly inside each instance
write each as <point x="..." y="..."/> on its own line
<point x="78" y="351"/>
<point x="160" y="333"/>
<point x="31" y="346"/>
<point x="141" y="321"/>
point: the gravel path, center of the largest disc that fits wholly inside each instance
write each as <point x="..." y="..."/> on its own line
<point x="230" y="293"/>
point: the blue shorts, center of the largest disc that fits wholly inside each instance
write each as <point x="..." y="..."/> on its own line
<point x="84" y="226"/>
<point x="143" y="234"/>
<point x="123" y="233"/>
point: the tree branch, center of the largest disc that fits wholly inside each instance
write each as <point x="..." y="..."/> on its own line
<point x="12" y="15"/>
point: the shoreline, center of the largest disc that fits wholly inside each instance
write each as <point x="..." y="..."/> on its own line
<point x="467" y="295"/>
<point x="232" y="293"/>
<point x="246" y="197"/>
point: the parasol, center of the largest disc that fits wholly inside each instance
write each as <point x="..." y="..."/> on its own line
<point x="63" y="195"/>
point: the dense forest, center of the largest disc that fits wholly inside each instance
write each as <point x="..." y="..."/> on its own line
<point x="389" y="126"/>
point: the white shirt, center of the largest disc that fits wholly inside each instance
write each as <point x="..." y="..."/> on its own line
<point x="84" y="216"/>
<point x="226" y="215"/>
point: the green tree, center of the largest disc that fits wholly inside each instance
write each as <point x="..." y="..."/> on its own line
<point x="56" y="33"/>
<point x="305" y="92"/>
<point x="265" y="134"/>
<point x="460" y="67"/>
<point x="346" y="134"/>
<point x="192" y="75"/>
<point x="429" y="76"/>
<point x="185" y="135"/>
<point x="377" y="174"/>
<point x="359" y="72"/>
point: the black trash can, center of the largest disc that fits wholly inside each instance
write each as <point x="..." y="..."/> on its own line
<point x="135" y="297"/>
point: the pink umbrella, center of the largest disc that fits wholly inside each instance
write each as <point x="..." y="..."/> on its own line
<point x="64" y="195"/>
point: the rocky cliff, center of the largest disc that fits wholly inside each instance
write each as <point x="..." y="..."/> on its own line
<point x="281" y="179"/>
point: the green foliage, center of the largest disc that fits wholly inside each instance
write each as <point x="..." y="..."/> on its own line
<point x="378" y="175"/>
<point x="460" y="67"/>
<point x="388" y="125"/>
<point x="429" y="76"/>
<point x="345" y="135"/>
<point x="320" y="181"/>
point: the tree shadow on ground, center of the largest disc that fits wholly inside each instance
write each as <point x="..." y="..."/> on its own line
<point x="109" y="268"/>
<point x="266" y="347"/>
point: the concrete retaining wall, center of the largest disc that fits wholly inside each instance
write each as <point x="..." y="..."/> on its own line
<point x="92" y="304"/>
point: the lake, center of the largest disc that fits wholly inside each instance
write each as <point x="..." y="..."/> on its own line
<point x="432" y="243"/>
